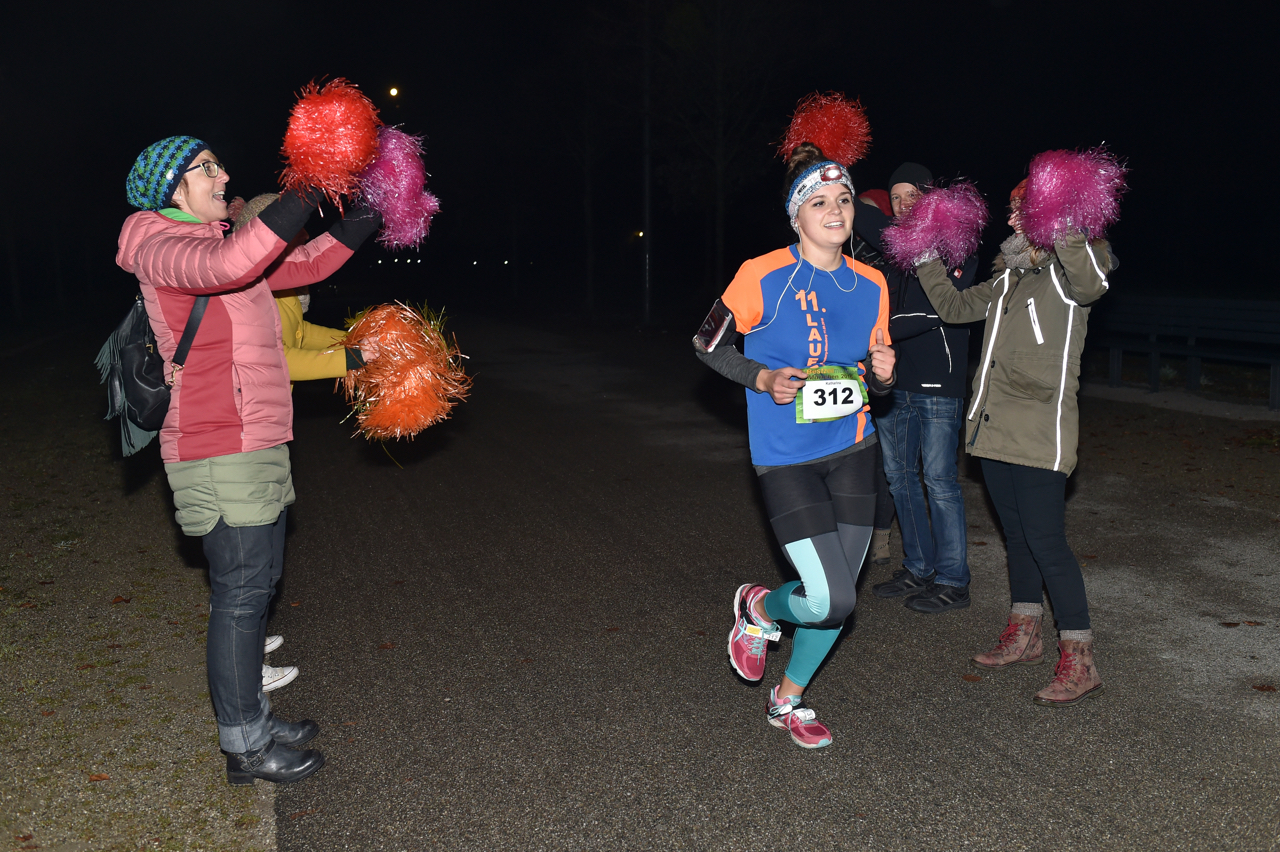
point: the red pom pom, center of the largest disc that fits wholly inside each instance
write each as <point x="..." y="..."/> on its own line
<point x="332" y="136"/>
<point x="834" y="123"/>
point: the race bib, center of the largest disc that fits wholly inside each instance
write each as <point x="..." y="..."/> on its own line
<point x="829" y="393"/>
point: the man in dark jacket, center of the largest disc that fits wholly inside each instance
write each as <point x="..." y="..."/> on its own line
<point x="922" y="425"/>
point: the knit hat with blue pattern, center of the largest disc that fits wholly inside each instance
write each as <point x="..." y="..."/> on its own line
<point x="158" y="170"/>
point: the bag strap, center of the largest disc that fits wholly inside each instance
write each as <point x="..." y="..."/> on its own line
<point x="189" y="334"/>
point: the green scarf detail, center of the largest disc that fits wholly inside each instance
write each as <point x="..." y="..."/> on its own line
<point x="179" y="215"/>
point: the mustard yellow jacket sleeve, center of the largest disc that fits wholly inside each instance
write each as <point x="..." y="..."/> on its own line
<point x="312" y="351"/>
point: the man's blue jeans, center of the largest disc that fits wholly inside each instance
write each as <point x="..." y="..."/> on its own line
<point x="921" y="428"/>
<point x="245" y="563"/>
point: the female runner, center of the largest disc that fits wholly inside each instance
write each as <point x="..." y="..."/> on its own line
<point x="807" y="311"/>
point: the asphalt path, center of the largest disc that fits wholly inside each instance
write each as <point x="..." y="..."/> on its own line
<point x="512" y="631"/>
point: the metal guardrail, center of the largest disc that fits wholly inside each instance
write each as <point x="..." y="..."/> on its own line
<point x="1217" y="329"/>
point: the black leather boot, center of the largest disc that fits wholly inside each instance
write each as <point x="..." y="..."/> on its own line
<point x="271" y="763"/>
<point x="293" y="733"/>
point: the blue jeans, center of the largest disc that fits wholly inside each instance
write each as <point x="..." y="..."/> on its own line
<point x="918" y="427"/>
<point x="245" y="563"/>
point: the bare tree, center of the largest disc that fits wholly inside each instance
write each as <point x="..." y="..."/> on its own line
<point x="714" y="72"/>
<point x="592" y="90"/>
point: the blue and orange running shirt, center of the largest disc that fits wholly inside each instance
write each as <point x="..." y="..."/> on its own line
<point x="793" y="314"/>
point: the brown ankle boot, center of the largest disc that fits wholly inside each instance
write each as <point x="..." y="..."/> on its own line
<point x="1075" y="678"/>
<point x="1020" y="644"/>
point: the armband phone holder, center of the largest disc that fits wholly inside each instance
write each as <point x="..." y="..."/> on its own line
<point x="713" y="328"/>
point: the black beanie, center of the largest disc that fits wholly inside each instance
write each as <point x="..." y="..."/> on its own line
<point x="912" y="173"/>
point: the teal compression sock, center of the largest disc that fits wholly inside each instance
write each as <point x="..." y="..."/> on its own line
<point x="812" y="644"/>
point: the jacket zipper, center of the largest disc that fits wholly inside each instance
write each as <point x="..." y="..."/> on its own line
<point x="1035" y="321"/>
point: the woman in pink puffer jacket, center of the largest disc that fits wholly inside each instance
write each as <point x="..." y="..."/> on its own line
<point x="230" y="414"/>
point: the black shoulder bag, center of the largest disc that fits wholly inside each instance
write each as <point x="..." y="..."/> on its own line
<point x="133" y="370"/>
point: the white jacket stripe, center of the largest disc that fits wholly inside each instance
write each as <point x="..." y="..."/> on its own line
<point x="991" y="343"/>
<point x="1062" y="379"/>
<point x="1098" y="269"/>
<point x="1058" y="286"/>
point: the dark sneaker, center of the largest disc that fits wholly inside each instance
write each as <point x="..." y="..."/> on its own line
<point x="903" y="583"/>
<point x="939" y="598"/>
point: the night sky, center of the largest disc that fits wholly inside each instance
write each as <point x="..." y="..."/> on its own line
<point x="521" y="105"/>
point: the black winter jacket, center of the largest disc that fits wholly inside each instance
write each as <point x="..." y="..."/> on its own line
<point x="932" y="355"/>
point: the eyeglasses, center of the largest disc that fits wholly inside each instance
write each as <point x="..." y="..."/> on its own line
<point x="211" y="168"/>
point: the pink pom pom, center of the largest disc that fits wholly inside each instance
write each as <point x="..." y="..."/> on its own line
<point x="1070" y="191"/>
<point x="946" y="222"/>
<point x="394" y="184"/>
<point x="834" y="123"/>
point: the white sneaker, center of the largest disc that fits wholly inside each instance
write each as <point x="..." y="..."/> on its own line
<point x="272" y="643"/>
<point x="274" y="677"/>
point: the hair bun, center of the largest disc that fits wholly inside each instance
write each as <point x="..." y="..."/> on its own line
<point x="803" y="156"/>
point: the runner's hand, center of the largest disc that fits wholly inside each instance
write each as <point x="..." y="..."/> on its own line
<point x="782" y="384"/>
<point x="882" y="358"/>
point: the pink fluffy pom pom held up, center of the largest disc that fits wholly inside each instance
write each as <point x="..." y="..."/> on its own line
<point x="834" y="123"/>
<point x="332" y="136"/>
<point x="394" y="184"/>
<point x="946" y="222"/>
<point x="1070" y="191"/>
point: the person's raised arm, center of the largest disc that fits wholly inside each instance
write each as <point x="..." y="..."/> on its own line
<point x="907" y="325"/>
<point x="208" y="266"/>
<point x="316" y="260"/>
<point x="952" y="305"/>
<point x="1086" y="265"/>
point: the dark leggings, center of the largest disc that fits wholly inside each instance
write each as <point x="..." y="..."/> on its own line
<point x="821" y="513"/>
<point x="1032" y="505"/>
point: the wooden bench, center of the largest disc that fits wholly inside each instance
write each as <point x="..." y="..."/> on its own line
<point x="1217" y="329"/>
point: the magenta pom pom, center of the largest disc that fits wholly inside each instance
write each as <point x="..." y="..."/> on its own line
<point x="1070" y="191"/>
<point x="394" y="184"/>
<point x="946" y="222"/>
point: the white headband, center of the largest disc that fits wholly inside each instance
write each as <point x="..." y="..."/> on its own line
<point x="811" y="180"/>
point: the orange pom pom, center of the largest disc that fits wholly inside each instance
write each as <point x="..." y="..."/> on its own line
<point x="332" y="136"/>
<point x="415" y="378"/>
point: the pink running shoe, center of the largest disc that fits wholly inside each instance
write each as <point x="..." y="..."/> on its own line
<point x="749" y="640"/>
<point x="791" y="715"/>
